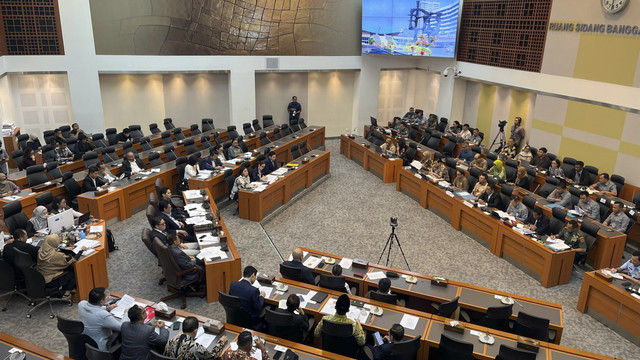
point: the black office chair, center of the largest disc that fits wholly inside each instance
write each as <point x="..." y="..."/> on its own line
<point x="558" y="219"/>
<point x="506" y="190"/>
<point x="153" y="127"/>
<point x="338" y="338"/>
<point x="17" y="158"/>
<point x="497" y="317"/>
<point x="8" y="283"/>
<point x="264" y="139"/>
<point x="510" y="173"/>
<point x="231" y="132"/>
<point x="434" y="141"/>
<point x="256" y="125"/>
<point x="409" y="154"/>
<point x="177" y="134"/>
<point x="204" y="142"/>
<point x="448" y="148"/>
<point x="295" y="125"/>
<point x="72" y="144"/>
<point x="23" y="139"/>
<point x="154" y="159"/>
<point x="36" y="175"/>
<point x="593" y="173"/>
<point x="168" y="124"/>
<point x="195" y="130"/>
<point x="276" y="133"/>
<point x="166" y="137"/>
<point x="285" y="130"/>
<point x="207" y="124"/>
<point x="190" y="146"/>
<point x="136" y="131"/>
<point x="532" y="327"/>
<point x="529" y="202"/>
<point x="507" y="352"/>
<point x="442" y="125"/>
<point x="225" y="149"/>
<point x="99" y="141"/>
<point x="169" y="153"/>
<point x="290" y="272"/>
<point x="401" y="350"/>
<point x="93" y="353"/>
<point x="294" y="152"/>
<point x="14" y="218"/>
<point x="590" y="231"/>
<point x="242" y="145"/>
<point x="73" y="189"/>
<point x="76" y="340"/>
<point x="246" y="128"/>
<point x="53" y="171"/>
<point x="447" y="309"/>
<point x="109" y="154"/>
<point x="332" y="282"/>
<point x="44" y="199"/>
<point x="48" y="153"/>
<point x="385" y="298"/>
<point x="280" y="324"/>
<point x="230" y="179"/>
<point x="153" y="355"/>
<point x="111" y="133"/>
<point x="619" y="181"/>
<point x="568" y="164"/>
<point x="177" y="284"/>
<point x="35" y="285"/>
<point x="303" y="147"/>
<point x="267" y="120"/>
<point x="146" y="144"/>
<point x="90" y="159"/>
<point x="451" y="349"/>
<point x="66" y="130"/>
<point x="301" y="123"/>
<point x="236" y="315"/>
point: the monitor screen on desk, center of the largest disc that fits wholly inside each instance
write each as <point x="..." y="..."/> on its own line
<point x="59" y="221"/>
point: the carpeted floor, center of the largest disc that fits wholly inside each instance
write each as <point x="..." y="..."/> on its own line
<point x="347" y="214"/>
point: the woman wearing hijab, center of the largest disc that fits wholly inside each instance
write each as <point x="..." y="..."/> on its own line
<point x="522" y="178"/>
<point x="497" y="170"/>
<point x="525" y="154"/>
<point x="7" y="187"/>
<point x="55" y="266"/>
<point x="38" y="221"/>
<point x="192" y="169"/>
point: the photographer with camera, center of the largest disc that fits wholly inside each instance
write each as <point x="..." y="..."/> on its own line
<point x="517" y="131"/>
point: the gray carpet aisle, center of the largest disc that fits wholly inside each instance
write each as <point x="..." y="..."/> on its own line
<point x="349" y="215"/>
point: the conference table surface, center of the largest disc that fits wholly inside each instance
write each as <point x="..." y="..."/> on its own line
<point x="232" y="331"/>
<point x="8" y="344"/>
<point x="471" y="297"/>
<point x="371" y="157"/>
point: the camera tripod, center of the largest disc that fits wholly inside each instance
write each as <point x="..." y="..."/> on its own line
<point x="393" y="237"/>
<point x="500" y="136"/>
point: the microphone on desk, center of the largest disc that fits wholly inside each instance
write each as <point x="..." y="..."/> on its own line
<point x="536" y="189"/>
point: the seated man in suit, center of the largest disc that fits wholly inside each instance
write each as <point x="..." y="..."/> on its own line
<point x="184" y="261"/>
<point x="251" y="298"/>
<point x="300" y="320"/>
<point x="211" y="162"/>
<point x="560" y="195"/>
<point x="159" y="231"/>
<point x="396" y="334"/>
<point x="578" y="175"/>
<point x="132" y="165"/>
<point x="305" y="272"/>
<point x="490" y="197"/>
<point x="19" y="242"/>
<point x="270" y="163"/>
<point x="174" y="225"/>
<point x="176" y="211"/>
<point x="104" y="174"/>
<point x="258" y="172"/>
<point x="538" y="222"/>
<point x="91" y="182"/>
<point x="139" y="338"/>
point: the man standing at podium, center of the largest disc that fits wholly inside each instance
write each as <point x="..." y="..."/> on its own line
<point x="294" y="109"/>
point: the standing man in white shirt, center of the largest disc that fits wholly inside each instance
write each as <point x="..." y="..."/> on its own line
<point x="99" y="323"/>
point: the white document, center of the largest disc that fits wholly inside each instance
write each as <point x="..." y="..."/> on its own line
<point x="205" y="339"/>
<point x="444" y="183"/>
<point x="89" y="244"/>
<point x="11" y="198"/>
<point x="280" y="171"/>
<point x="267" y="291"/>
<point x="615" y="275"/>
<point x="200" y="331"/>
<point x="463" y="193"/>
<point x="312" y="262"/>
<point x="255" y="353"/>
<point x="192" y="194"/>
<point x="409" y="321"/>
<point x="207" y="239"/>
<point x="96" y="228"/>
<point x="260" y="188"/>
<point x="416" y="164"/>
<point x="211" y="252"/>
<point x="123" y="304"/>
<point x="559" y="246"/>
<point x="346" y="263"/>
<point x="195" y="220"/>
<point x="271" y="178"/>
<point x="330" y="307"/>
<point x="376" y="275"/>
<point x="307" y="298"/>
<point x="476" y="333"/>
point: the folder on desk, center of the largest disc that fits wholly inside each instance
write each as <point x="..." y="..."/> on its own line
<point x="319" y="297"/>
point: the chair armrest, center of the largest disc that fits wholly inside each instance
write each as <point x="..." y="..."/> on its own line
<point x="193" y="269"/>
<point x="366" y="350"/>
<point x="465" y="316"/>
<point x="552" y="336"/>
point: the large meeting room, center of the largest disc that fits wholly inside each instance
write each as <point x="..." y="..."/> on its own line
<point x="320" y="179"/>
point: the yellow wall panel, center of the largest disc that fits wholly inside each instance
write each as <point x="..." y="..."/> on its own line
<point x="595" y="119"/>
<point x="520" y="102"/>
<point x="609" y="59"/>
<point x="547" y="126"/>
<point x="602" y="158"/>
<point x="485" y="108"/>
<point x="630" y="148"/>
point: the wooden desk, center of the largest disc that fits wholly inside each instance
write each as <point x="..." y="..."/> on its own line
<point x="7" y="342"/>
<point x="220" y="273"/>
<point x="370" y="158"/>
<point x="10" y="145"/>
<point x="26" y="197"/>
<point x="611" y="304"/>
<point x="421" y="294"/>
<point x="91" y="271"/>
<point x="255" y="205"/>
<point x="231" y="331"/>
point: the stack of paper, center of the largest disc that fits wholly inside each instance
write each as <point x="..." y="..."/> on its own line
<point x="196" y="220"/>
<point x="89" y="244"/>
<point x="376" y="275"/>
<point x="280" y="171"/>
<point x="312" y="262"/>
<point x="409" y="321"/>
<point x="416" y="164"/>
<point x="192" y="194"/>
<point x="207" y="239"/>
<point x="211" y="252"/>
<point x="260" y="188"/>
<point x="123" y="304"/>
<point x="346" y="263"/>
<point x="271" y="178"/>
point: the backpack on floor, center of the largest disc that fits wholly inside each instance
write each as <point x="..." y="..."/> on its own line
<point x="111" y="241"/>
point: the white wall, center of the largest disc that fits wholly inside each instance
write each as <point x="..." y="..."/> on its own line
<point x="274" y="91"/>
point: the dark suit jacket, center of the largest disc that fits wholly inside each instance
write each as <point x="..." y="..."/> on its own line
<point x="254" y="174"/>
<point x="380" y="351"/>
<point x="159" y="235"/>
<point x="543" y="227"/>
<point x="138" y="339"/>
<point x="184" y="262"/>
<point x="250" y="298"/>
<point x="305" y="271"/>
<point x="88" y="185"/>
<point x="171" y="226"/>
<point x="584" y="177"/>
<point x="494" y="201"/>
<point x="9" y="255"/>
<point x="270" y="166"/>
<point x="126" y="166"/>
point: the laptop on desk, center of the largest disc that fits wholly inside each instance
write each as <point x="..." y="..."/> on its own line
<point x="83" y="218"/>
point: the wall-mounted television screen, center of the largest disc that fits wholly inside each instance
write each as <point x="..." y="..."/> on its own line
<point x="410" y="27"/>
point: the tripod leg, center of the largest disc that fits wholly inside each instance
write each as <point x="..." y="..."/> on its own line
<point x="385" y="249"/>
<point x="402" y="252"/>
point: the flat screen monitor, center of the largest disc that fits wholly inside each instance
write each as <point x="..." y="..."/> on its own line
<point x="58" y="221"/>
<point x="374" y="121"/>
<point x="410" y="27"/>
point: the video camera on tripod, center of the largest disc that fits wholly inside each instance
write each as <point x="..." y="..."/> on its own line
<point x="393" y="222"/>
<point x="501" y="124"/>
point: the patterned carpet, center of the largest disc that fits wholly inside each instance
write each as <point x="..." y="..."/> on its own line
<point x="347" y="214"/>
